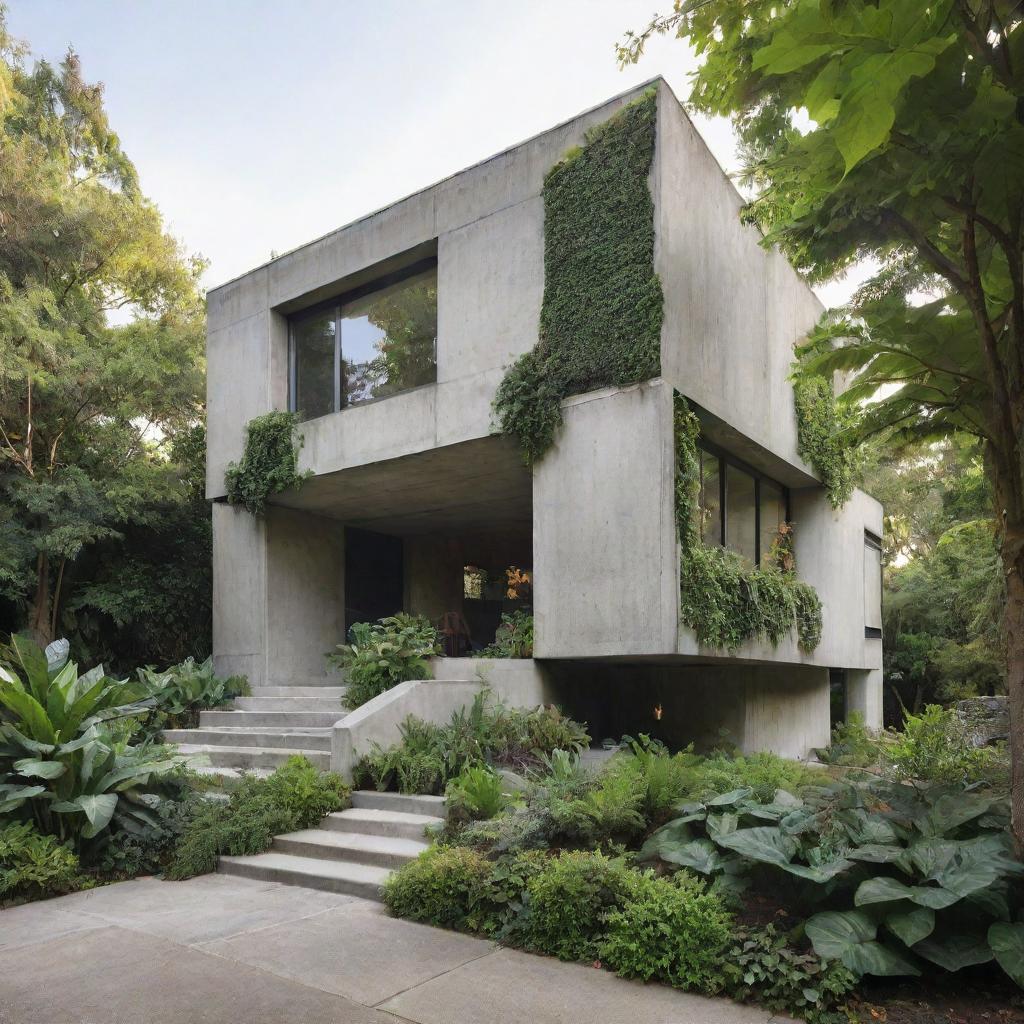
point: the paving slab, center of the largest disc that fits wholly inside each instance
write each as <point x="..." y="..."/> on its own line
<point x="356" y="951"/>
<point x="115" y="976"/>
<point x="38" y="922"/>
<point x="509" y="987"/>
<point x="201" y="909"/>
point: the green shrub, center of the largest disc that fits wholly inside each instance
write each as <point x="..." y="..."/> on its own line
<point x="934" y="747"/>
<point x="182" y="691"/>
<point x="34" y="866"/>
<point x="566" y="902"/>
<point x="852" y="745"/>
<point x="764" y="773"/>
<point x="443" y="887"/>
<point x="762" y="966"/>
<point x="383" y="654"/>
<point x="663" y="778"/>
<point x="671" y="929"/>
<point x="296" y="796"/>
<point x="474" y="793"/>
<point x="513" y="638"/>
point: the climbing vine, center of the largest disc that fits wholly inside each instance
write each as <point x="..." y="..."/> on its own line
<point x="600" y="322"/>
<point x="822" y="434"/>
<point x="723" y="599"/>
<point x="269" y="462"/>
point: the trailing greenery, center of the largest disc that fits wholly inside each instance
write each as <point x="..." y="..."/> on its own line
<point x="601" y="317"/>
<point x="722" y="598"/>
<point x="35" y="866"/>
<point x="513" y="638"/>
<point x="269" y="463"/>
<point x="383" y="654"/>
<point x="486" y="733"/>
<point x="296" y="796"/>
<point x="823" y="435"/>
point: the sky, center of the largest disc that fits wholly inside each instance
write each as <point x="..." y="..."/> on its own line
<point x="258" y="125"/>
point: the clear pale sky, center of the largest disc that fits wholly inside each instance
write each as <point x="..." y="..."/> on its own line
<point x="257" y="125"/>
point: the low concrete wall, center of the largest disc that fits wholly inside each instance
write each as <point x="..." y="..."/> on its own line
<point x="515" y="682"/>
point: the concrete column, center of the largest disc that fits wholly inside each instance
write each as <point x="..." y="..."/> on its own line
<point x="305" y="559"/>
<point x="786" y="710"/>
<point x="239" y="594"/>
<point x="864" y="695"/>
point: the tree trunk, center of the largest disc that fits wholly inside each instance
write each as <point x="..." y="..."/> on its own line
<point x="1013" y="562"/>
<point x="39" y="619"/>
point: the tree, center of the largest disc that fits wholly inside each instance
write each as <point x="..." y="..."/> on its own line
<point x="88" y="409"/>
<point x="892" y="131"/>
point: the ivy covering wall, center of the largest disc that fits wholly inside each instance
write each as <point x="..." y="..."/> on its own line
<point x="724" y="600"/>
<point x="601" y="316"/>
<point x="269" y="462"/>
<point x="822" y="438"/>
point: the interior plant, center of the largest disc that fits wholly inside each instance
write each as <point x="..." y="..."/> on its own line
<point x="269" y="461"/>
<point x="513" y="638"/>
<point x="383" y="654"/>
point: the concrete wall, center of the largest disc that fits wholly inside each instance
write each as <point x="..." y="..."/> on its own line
<point x="864" y="696"/>
<point x="732" y="309"/>
<point x="604" y="548"/>
<point x="487" y="224"/>
<point x="278" y="586"/>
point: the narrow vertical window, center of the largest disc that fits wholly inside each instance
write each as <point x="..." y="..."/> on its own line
<point x="872" y="585"/>
<point x="710" y="498"/>
<point x="313" y="364"/>
<point x="740" y="513"/>
<point x="773" y="515"/>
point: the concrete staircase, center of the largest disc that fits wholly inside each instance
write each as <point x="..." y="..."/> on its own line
<point x="263" y="730"/>
<point x="353" y="851"/>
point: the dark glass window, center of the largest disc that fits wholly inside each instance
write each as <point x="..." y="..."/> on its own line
<point x="739" y="508"/>
<point x="371" y="345"/>
<point x="710" y="498"/>
<point x="740" y="512"/>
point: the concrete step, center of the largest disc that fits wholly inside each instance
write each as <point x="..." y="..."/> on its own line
<point x="252" y="757"/>
<point x="334" y="679"/>
<point x="372" y="822"/>
<point x="310" y="739"/>
<point x="331" y="875"/>
<point x="371" y="800"/>
<point x="330" y="704"/>
<point x="321" y="844"/>
<point x="335" y="692"/>
<point x="277" y="721"/>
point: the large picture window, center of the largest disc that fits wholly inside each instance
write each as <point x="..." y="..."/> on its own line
<point x="739" y="508"/>
<point x="373" y="342"/>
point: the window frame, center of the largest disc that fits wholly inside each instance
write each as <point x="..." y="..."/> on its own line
<point x="726" y="459"/>
<point x="336" y="304"/>
<point x="874" y="542"/>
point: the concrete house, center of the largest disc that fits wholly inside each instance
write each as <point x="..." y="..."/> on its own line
<point x="390" y="337"/>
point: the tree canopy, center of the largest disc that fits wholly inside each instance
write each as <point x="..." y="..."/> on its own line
<point x="101" y="335"/>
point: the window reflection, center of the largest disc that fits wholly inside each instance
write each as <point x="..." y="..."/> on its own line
<point x="773" y="514"/>
<point x="740" y="513"/>
<point x="710" y="499"/>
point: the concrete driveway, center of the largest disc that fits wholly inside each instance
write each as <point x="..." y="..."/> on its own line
<point x="229" y="950"/>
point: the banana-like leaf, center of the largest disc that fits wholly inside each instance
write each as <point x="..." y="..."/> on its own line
<point x="1007" y="944"/>
<point x="19" y="739"/>
<point x="56" y="654"/>
<point x="911" y="926"/>
<point x="31" y="713"/>
<point x="886" y="890"/>
<point x="764" y="844"/>
<point x="849" y="936"/>
<point x="956" y="950"/>
<point x="36" y="769"/>
<point x="12" y="797"/>
<point x="31" y="660"/>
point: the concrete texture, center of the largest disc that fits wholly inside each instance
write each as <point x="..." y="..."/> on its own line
<point x="864" y="695"/>
<point x="218" y="950"/>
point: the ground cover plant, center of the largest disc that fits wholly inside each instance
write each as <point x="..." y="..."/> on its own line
<point x="382" y="654"/>
<point x="513" y="638"/>
<point x="766" y="880"/>
<point x="430" y="756"/>
<point x="296" y="796"/>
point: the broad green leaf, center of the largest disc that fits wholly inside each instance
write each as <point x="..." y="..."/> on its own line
<point x="788" y="53"/>
<point x="734" y="796"/>
<point x="39" y="769"/>
<point x="764" y="844"/>
<point x="849" y="936"/>
<point x="818" y="872"/>
<point x="1007" y="944"/>
<point x="701" y="855"/>
<point x="911" y="926"/>
<point x="98" y="810"/>
<point x="820" y="98"/>
<point x="955" y="951"/>
<point x="885" y="890"/>
<point x="951" y="811"/>
<point x="675" y="834"/>
<point x="56" y="655"/>
<point x="722" y="824"/>
<point x="28" y="657"/>
<point x="872" y="853"/>
<point x="12" y="797"/>
<point x="33" y="718"/>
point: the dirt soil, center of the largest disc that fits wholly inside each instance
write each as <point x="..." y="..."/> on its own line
<point x="940" y="1000"/>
